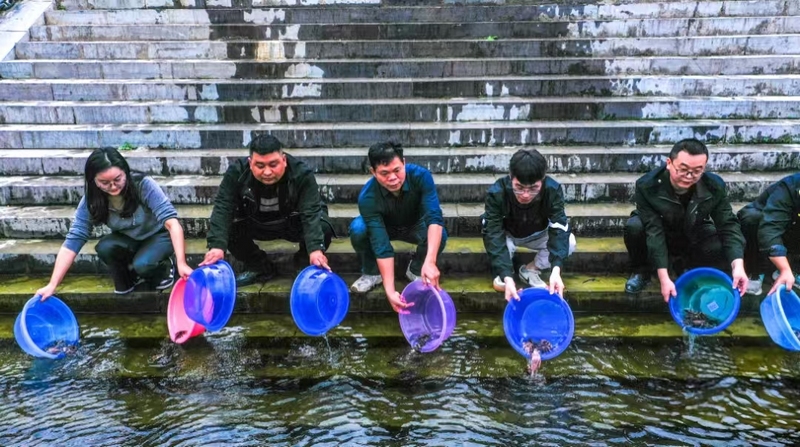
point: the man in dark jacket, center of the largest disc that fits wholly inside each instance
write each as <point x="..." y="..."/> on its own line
<point x="526" y="209"/>
<point x="770" y="228"/>
<point x="683" y="213"/>
<point x="266" y="196"/>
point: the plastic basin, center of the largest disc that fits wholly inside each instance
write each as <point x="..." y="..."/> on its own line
<point x="41" y="325"/>
<point x="319" y="300"/>
<point x="432" y="318"/>
<point x="181" y="327"/>
<point x="537" y="316"/>
<point x="210" y="295"/>
<point x="709" y="291"/>
<point x="780" y="313"/>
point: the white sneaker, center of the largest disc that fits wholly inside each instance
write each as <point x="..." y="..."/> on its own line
<point x="411" y="277"/>
<point x="498" y="284"/>
<point x="366" y="283"/>
<point x="754" y="286"/>
<point x="532" y="277"/>
<point x="796" y="286"/>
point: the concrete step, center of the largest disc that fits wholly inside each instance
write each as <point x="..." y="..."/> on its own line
<point x="398" y="110"/>
<point x="461" y="219"/>
<point x="276" y="50"/>
<point x="461" y="256"/>
<point x="344" y="188"/>
<point x="384" y="89"/>
<point x="434" y="14"/>
<point x="87" y="294"/>
<point x="398" y="68"/>
<point x="462" y="160"/>
<point x="323" y="135"/>
<point x="389" y="31"/>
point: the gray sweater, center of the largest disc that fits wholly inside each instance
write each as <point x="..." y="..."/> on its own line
<point x="153" y="211"/>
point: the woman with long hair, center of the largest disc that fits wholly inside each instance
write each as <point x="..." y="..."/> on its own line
<point x="146" y="240"/>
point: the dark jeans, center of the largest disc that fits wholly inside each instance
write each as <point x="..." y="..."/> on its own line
<point x="703" y="248"/>
<point x="756" y="261"/>
<point x="244" y="232"/>
<point x="128" y="258"/>
<point x="417" y="234"/>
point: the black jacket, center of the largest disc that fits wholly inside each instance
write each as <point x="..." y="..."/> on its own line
<point x="779" y="205"/>
<point x="664" y="216"/>
<point x="497" y="209"/>
<point x="235" y="200"/>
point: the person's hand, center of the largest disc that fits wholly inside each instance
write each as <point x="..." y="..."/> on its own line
<point x="213" y="255"/>
<point x="511" y="289"/>
<point x="556" y="283"/>
<point x="668" y="289"/>
<point x="46" y="292"/>
<point x="398" y="303"/>
<point x="430" y="274"/>
<point x="786" y="278"/>
<point x="319" y="259"/>
<point x="739" y="279"/>
<point x="184" y="270"/>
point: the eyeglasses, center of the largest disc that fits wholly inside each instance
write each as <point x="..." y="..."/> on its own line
<point x="522" y="190"/>
<point x="692" y="173"/>
<point x="119" y="182"/>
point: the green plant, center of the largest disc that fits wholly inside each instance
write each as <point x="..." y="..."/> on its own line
<point x="126" y="147"/>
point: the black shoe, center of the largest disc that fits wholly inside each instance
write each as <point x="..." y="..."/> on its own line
<point x="251" y="277"/>
<point x="169" y="275"/>
<point x="637" y="282"/>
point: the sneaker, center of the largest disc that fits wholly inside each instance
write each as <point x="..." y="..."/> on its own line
<point x="366" y="283"/>
<point x="636" y="283"/>
<point x="498" y="284"/>
<point x="127" y="291"/>
<point x="796" y="286"/>
<point x="411" y="277"/>
<point x="531" y="277"/>
<point x="754" y="285"/>
<point x="169" y="278"/>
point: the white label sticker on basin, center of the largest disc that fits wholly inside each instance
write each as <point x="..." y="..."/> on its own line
<point x="712" y="306"/>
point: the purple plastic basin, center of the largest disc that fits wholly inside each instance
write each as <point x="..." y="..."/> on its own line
<point x="430" y="320"/>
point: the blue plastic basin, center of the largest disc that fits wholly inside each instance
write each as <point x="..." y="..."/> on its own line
<point x="42" y="324"/>
<point x="780" y="313"/>
<point x="537" y="316"/>
<point x="319" y="300"/>
<point x="709" y="291"/>
<point x="210" y="295"/>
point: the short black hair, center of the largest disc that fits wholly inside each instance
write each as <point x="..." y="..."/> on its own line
<point x="265" y="144"/>
<point x="528" y="166"/>
<point x="384" y="153"/>
<point x="692" y="146"/>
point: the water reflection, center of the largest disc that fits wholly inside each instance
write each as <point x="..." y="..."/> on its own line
<point x="238" y="387"/>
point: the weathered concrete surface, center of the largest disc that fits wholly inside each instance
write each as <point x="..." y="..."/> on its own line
<point x="435" y="14"/>
<point x="15" y="24"/>
<point x="395" y="31"/>
<point x="439" y="160"/>
<point x="393" y="68"/>
<point x="462" y="255"/>
<point x="383" y="89"/>
<point x="506" y="108"/>
<point x="344" y="188"/>
<point x="585" y="293"/>
<point x="460" y="48"/>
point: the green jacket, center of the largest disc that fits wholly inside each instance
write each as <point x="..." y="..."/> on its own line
<point x="664" y="216"/>
<point x="497" y="209"/>
<point x="235" y="201"/>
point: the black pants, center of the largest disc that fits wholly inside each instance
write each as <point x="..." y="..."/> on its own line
<point x="703" y="248"/>
<point x="245" y="232"/>
<point x="128" y="258"/>
<point x="757" y="261"/>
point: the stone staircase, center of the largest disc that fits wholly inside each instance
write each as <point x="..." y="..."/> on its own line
<point x="603" y="90"/>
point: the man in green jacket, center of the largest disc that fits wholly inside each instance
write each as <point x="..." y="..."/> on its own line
<point x="682" y="215"/>
<point x="266" y="196"/>
<point x="526" y="209"/>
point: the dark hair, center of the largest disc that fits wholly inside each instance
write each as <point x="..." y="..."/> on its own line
<point x="692" y="146"/>
<point x="97" y="200"/>
<point x="528" y="166"/>
<point x="384" y="153"/>
<point x="265" y="144"/>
